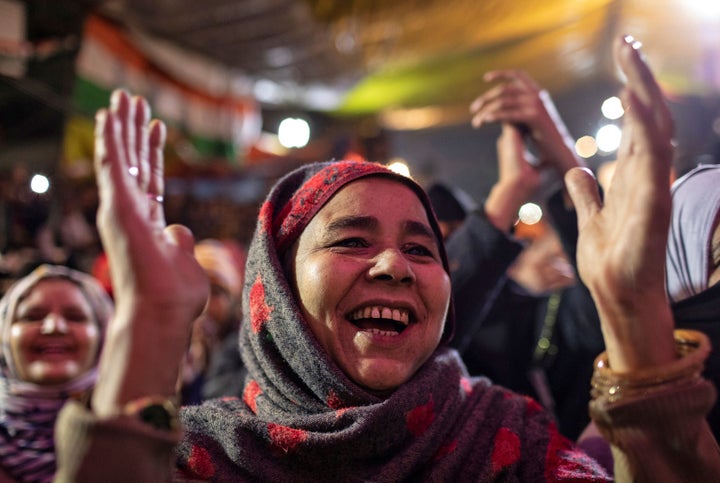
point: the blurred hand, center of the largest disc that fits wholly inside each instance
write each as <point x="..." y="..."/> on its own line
<point x="621" y="247"/>
<point x="518" y="100"/>
<point x="158" y="286"/>
<point x="517" y="180"/>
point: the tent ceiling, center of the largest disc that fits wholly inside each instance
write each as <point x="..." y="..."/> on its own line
<point x="384" y="57"/>
<point x="389" y="54"/>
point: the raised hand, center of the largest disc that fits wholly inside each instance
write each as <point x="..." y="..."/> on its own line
<point x="621" y="247"/>
<point x="518" y="179"/>
<point x="158" y="286"/>
<point x="518" y="100"/>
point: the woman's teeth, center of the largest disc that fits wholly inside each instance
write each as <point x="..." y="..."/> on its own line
<point x="378" y="312"/>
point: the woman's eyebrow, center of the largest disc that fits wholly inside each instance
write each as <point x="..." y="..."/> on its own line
<point x="411" y="227"/>
<point x="345" y="222"/>
<point x="417" y="228"/>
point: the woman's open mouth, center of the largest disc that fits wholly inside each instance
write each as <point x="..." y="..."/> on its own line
<point x="380" y="319"/>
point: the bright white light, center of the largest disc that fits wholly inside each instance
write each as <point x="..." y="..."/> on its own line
<point x="400" y="167"/>
<point x="612" y="108"/>
<point x="530" y="213"/>
<point x="703" y="9"/>
<point x="39" y="184"/>
<point x="586" y="147"/>
<point x="293" y="132"/>
<point x="608" y="138"/>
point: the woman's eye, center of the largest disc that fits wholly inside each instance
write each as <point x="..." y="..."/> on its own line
<point x="76" y="317"/>
<point x="420" y="250"/>
<point x="30" y="316"/>
<point x="351" y="243"/>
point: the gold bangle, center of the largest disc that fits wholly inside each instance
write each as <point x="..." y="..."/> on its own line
<point x="692" y="348"/>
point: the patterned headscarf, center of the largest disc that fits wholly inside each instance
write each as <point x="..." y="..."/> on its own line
<point x="695" y="211"/>
<point x="302" y="419"/>
<point x="28" y="410"/>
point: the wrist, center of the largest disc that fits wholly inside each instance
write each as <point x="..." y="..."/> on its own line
<point x="638" y="339"/>
<point x="503" y="203"/>
<point x="134" y="365"/>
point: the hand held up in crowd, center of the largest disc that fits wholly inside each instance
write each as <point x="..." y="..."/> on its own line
<point x="158" y="285"/>
<point x="517" y="100"/>
<point x="622" y="239"/>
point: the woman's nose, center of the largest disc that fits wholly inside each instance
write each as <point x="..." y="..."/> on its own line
<point x="54" y="323"/>
<point x="391" y="265"/>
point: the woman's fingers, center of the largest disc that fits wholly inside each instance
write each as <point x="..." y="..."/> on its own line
<point x="142" y="118"/>
<point x="181" y="236"/>
<point x="124" y="109"/>
<point x="519" y="77"/>
<point x="111" y="163"/>
<point x="641" y="82"/>
<point x="583" y="190"/>
<point x="156" y="183"/>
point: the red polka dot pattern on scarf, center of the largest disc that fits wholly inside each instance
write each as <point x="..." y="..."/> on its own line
<point x="284" y="438"/>
<point x="564" y="462"/>
<point x="420" y="418"/>
<point x="250" y="394"/>
<point x="506" y="450"/>
<point x="259" y="310"/>
<point x="265" y="217"/>
<point x="533" y="407"/>
<point x="466" y="385"/>
<point x="445" y="450"/>
<point x="200" y="463"/>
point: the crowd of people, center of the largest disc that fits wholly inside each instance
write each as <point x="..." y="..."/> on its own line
<point x="379" y="330"/>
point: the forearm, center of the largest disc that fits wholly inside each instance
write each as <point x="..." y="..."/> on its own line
<point x="133" y="365"/>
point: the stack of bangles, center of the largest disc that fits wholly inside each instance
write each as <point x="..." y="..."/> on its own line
<point x="610" y="387"/>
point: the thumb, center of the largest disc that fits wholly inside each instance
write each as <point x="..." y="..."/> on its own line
<point x="583" y="190"/>
<point x="181" y="236"/>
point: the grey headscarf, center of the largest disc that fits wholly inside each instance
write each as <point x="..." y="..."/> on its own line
<point x="695" y="208"/>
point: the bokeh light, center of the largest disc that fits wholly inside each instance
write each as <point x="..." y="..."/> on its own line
<point x="530" y="213"/>
<point x="39" y="184"/>
<point x="612" y="108"/>
<point x="586" y="147"/>
<point x="399" y="166"/>
<point x="293" y="132"/>
<point x="608" y="138"/>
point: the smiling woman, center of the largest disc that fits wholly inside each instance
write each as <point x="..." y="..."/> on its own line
<point x="52" y="326"/>
<point x="360" y="270"/>
<point x="341" y="386"/>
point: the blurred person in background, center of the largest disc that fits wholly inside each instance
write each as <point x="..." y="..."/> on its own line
<point x="524" y="320"/>
<point x="214" y="337"/>
<point x="52" y="327"/>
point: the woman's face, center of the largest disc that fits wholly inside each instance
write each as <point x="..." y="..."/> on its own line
<point x="54" y="337"/>
<point x="370" y="282"/>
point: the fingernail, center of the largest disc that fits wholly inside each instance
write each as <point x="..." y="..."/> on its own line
<point x="115" y="99"/>
<point x="632" y="42"/>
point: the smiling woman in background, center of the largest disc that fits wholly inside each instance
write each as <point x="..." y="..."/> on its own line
<point x="53" y="321"/>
